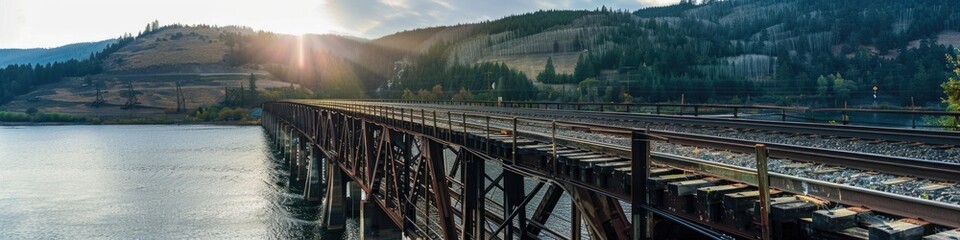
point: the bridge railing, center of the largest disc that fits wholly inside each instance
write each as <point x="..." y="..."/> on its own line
<point x="913" y="118"/>
<point x="450" y="125"/>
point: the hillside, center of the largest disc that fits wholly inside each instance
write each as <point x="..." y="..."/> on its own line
<point x="48" y="55"/>
<point x="814" y="52"/>
<point x="178" y="49"/>
<point x="790" y="52"/>
<point x="153" y="63"/>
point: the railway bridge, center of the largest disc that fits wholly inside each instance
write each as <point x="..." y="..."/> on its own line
<point x="419" y="170"/>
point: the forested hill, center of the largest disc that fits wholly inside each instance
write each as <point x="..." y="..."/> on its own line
<point x="807" y="52"/>
<point x="47" y="55"/>
<point x="786" y="52"/>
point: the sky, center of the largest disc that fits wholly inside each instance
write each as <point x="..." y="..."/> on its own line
<point x="52" y="23"/>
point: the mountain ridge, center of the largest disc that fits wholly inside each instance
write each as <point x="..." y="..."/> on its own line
<point x="810" y="53"/>
<point x="66" y="52"/>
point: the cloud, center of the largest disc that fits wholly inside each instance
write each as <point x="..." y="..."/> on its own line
<point x="369" y="18"/>
<point x="396" y="3"/>
<point x="443" y="3"/>
<point x="358" y="16"/>
<point x="36" y="23"/>
<point x="656" y="2"/>
<point x="11" y="17"/>
<point x="553" y="4"/>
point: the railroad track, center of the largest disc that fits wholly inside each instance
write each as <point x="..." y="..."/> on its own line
<point x="590" y="172"/>
<point x="934" y="170"/>
<point x="848" y="131"/>
<point x="926" y="169"/>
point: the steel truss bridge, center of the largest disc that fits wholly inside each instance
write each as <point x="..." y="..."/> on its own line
<point x="431" y="173"/>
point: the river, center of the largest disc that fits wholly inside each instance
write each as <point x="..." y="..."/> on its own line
<point x="147" y="182"/>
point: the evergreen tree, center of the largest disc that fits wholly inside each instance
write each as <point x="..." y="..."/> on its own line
<point x="579" y="71"/>
<point x="823" y="86"/>
<point x="549" y="74"/>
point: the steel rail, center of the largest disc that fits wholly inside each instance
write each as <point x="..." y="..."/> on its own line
<point x="934" y="170"/>
<point x="864" y="132"/>
<point x="926" y="169"/>
<point x="932" y="211"/>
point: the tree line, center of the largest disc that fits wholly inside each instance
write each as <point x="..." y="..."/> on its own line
<point x="814" y="52"/>
<point x="19" y="79"/>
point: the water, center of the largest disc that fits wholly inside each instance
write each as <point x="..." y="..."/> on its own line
<point x="147" y="182"/>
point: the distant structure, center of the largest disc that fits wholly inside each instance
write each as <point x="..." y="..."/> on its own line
<point x="132" y="100"/>
<point x="234" y="96"/>
<point x="181" y="101"/>
<point x="99" y="101"/>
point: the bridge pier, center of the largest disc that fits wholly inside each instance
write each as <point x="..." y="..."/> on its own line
<point x="302" y="158"/>
<point x="294" y="155"/>
<point x="281" y="140"/>
<point x="352" y="203"/>
<point x="313" y="187"/>
<point x="278" y="136"/>
<point x="374" y="223"/>
<point x="334" y="217"/>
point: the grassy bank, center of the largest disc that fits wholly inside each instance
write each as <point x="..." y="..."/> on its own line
<point x="44" y="117"/>
<point x="203" y="115"/>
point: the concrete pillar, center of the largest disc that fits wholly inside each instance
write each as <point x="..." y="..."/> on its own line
<point x="374" y="223"/>
<point x="276" y="135"/>
<point x="282" y="140"/>
<point x="303" y="158"/>
<point x="352" y="205"/>
<point x="333" y="204"/>
<point x="313" y="187"/>
<point x="279" y="138"/>
<point x="292" y="154"/>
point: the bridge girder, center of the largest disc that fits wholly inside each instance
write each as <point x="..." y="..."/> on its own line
<point x="431" y="176"/>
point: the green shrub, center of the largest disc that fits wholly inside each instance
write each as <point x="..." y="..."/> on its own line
<point x="13" y="117"/>
<point x="57" y="117"/>
<point x="227" y="114"/>
<point x="216" y="113"/>
<point x="39" y="116"/>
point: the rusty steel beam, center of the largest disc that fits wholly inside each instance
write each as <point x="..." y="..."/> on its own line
<point x="543" y="212"/>
<point x="512" y="197"/>
<point x="344" y="136"/>
<point x="640" y="167"/>
<point x="473" y="213"/>
<point x="604" y="216"/>
<point x="440" y="186"/>
<point x="519" y="210"/>
<point x="369" y="147"/>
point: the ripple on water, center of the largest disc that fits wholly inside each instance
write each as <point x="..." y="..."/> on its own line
<point x="165" y="182"/>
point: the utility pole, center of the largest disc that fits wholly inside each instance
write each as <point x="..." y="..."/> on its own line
<point x="181" y="101"/>
<point x="99" y="101"/>
<point x="241" y="94"/>
<point x="131" y="97"/>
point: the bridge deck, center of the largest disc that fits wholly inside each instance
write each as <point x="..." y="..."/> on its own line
<point x="596" y="171"/>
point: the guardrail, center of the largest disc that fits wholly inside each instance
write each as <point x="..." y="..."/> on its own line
<point x="840" y="116"/>
<point x="462" y="123"/>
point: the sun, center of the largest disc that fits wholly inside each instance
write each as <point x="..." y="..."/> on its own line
<point x="299" y="17"/>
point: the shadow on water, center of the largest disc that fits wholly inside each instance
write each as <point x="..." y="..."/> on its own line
<point x="306" y="218"/>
